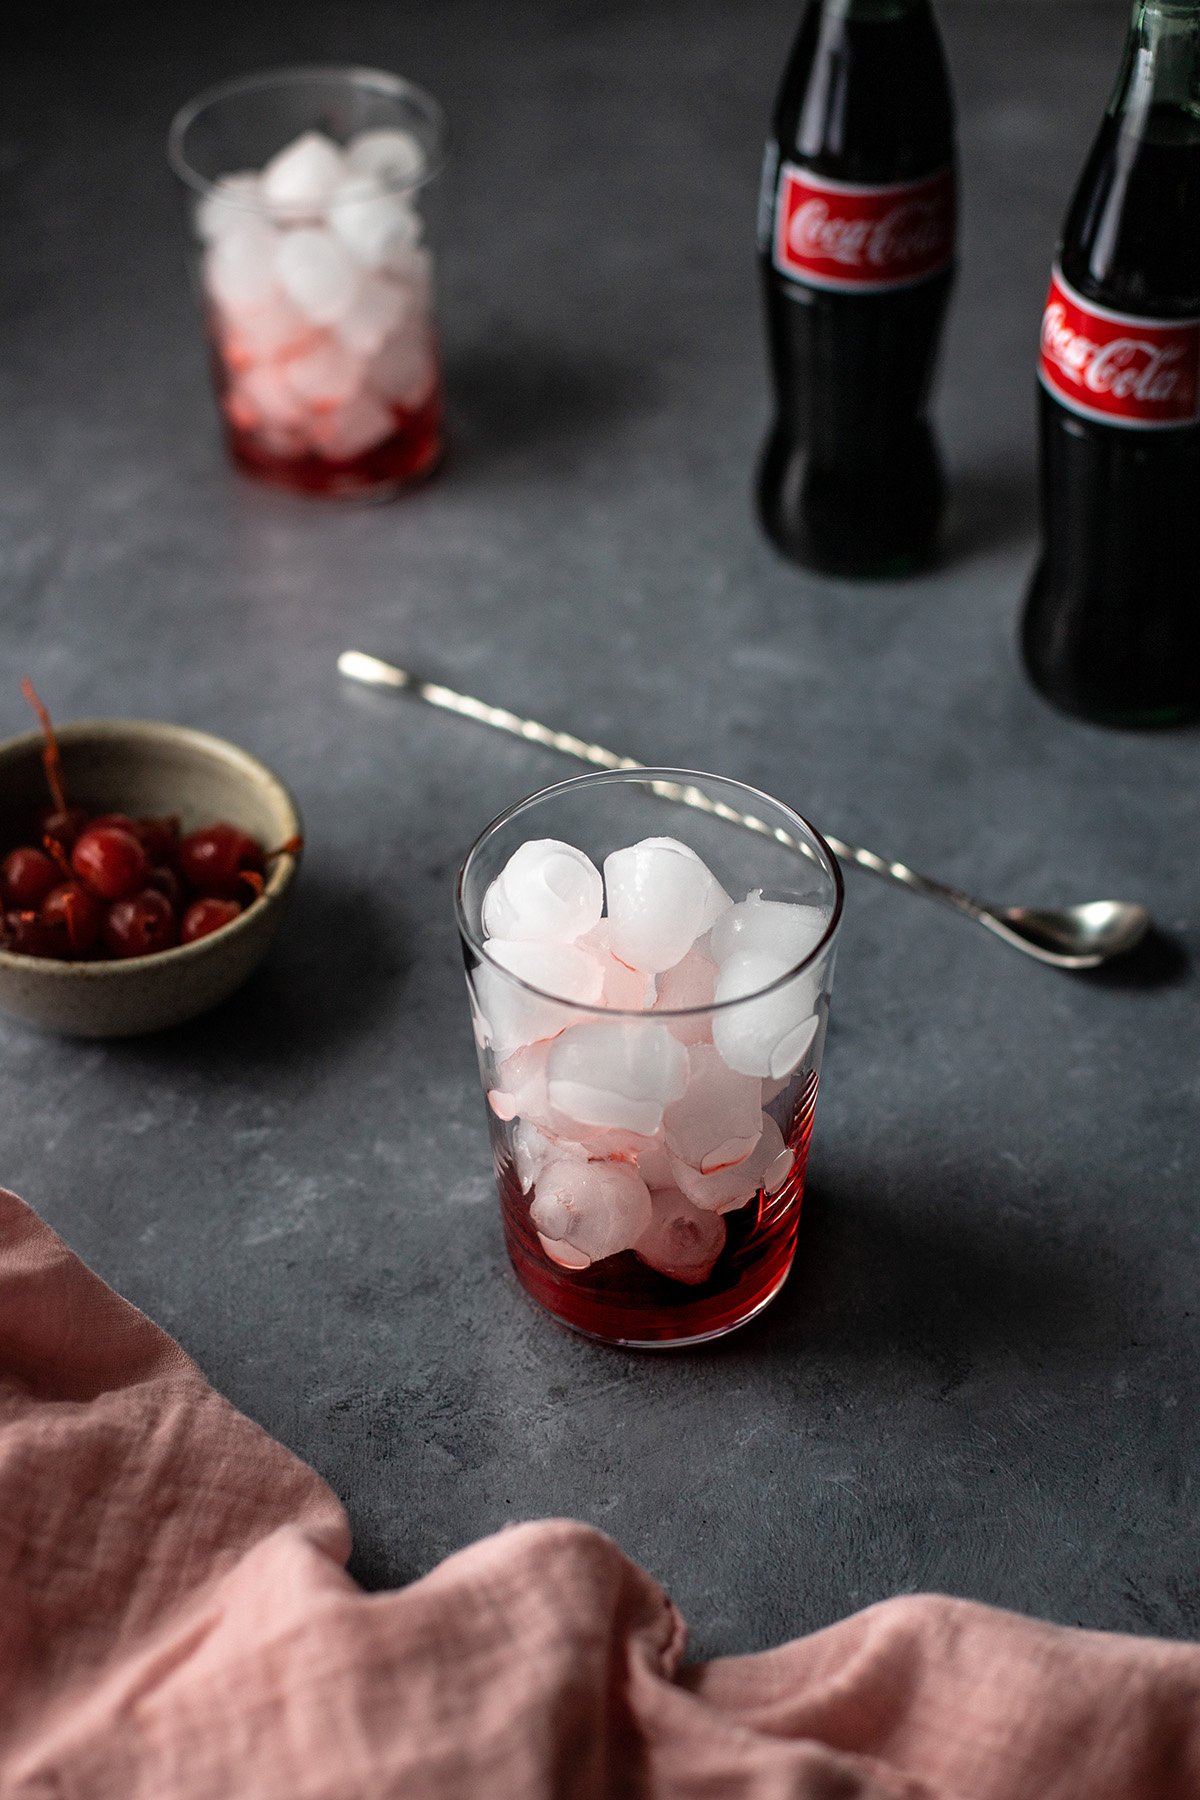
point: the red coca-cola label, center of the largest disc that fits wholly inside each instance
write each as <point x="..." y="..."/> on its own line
<point x="831" y="234"/>
<point x="1142" y="373"/>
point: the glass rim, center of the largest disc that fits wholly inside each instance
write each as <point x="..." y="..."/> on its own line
<point x="676" y="777"/>
<point x="394" y="87"/>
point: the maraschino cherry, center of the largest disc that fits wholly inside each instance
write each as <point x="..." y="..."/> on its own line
<point x="112" y="885"/>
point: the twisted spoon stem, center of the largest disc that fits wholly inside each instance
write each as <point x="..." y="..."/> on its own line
<point x="1039" y="935"/>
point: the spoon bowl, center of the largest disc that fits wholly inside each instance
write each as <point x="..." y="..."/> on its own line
<point x="1072" y="937"/>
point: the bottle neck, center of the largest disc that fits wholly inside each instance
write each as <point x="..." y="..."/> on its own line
<point x="1161" y="65"/>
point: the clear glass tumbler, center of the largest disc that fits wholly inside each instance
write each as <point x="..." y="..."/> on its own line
<point x="304" y="193"/>
<point x="649" y="987"/>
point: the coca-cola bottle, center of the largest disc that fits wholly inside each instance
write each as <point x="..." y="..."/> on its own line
<point x="1112" y="623"/>
<point x="856" y="235"/>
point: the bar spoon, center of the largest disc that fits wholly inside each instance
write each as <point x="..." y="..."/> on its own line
<point x="1082" y="936"/>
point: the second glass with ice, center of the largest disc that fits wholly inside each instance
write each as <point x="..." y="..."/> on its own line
<point x="305" y="195"/>
<point x="649" y="988"/>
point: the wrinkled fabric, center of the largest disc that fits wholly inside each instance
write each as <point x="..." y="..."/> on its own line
<point x="176" y="1623"/>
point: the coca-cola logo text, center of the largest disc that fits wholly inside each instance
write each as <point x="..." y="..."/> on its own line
<point x="910" y="232"/>
<point x="1129" y="368"/>
<point x="1135" y="372"/>
<point x="833" y="235"/>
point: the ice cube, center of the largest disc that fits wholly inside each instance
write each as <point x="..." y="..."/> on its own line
<point x="770" y="1035"/>
<point x="616" y="1074"/>
<point x="605" y="1144"/>
<point x="725" y="1190"/>
<point x="353" y="429"/>
<point x="372" y="224"/>
<point x="626" y="989"/>
<point x="691" y="983"/>
<point x="238" y="410"/>
<point x="598" y="1209"/>
<point x="681" y="1241"/>
<point x="660" y="898"/>
<point x="300" y="179"/>
<point x="410" y="266"/>
<point x="392" y="156"/>
<point x="547" y="890"/>
<point x="521" y="1075"/>
<point x="269" y="392"/>
<point x="478" y="1022"/>
<point x="273" y="328"/>
<point x="654" y="1163"/>
<point x="318" y="273"/>
<point x="326" y="376"/>
<point x="227" y="203"/>
<point x="533" y="1148"/>
<point x="239" y="267"/>
<point x="778" y="1170"/>
<point x="514" y="1015"/>
<point x="563" y="1255"/>
<point x="783" y="929"/>
<point x="379" y="308"/>
<point x="717" y="1120"/>
<point x="404" y="369"/>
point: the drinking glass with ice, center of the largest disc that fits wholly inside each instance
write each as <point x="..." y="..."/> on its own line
<point x="305" y="194"/>
<point x="649" y="989"/>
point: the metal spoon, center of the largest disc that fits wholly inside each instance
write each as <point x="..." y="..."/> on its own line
<point x="1068" y="937"/>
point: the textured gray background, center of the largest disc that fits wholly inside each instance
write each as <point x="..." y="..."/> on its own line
<point x="983" y="1376"/>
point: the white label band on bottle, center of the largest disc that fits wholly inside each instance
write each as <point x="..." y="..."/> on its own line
<point x="854" y="239"/>
<point x="1143" y="374"/>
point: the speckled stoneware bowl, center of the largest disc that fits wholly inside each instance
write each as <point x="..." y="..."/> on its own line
<point x="146" y="769"/>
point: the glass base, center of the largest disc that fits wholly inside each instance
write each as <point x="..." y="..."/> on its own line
<point x="678" y="1343"/>
<point x="623" y="1300"/>
<point x="405" y="460"/>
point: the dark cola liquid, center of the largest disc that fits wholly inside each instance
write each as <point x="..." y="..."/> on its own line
<point x="1112" y="624"/>
<point x="850" y="480"/>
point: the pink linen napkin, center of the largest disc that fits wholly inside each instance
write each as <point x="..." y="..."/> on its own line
<point x="176" y="1624"/>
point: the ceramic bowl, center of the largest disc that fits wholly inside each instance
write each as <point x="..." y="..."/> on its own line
<point x="143" y="768"/>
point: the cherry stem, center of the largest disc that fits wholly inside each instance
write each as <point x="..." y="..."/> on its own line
<point x="254" y="881"/>
<point x="290" y="847"/>
<point x="51" y="759"/>
<point x="71" y="908"/>
<point x="56" y="853"/>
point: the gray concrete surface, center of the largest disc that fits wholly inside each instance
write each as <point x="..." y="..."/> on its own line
<point x="983" y="1375"/>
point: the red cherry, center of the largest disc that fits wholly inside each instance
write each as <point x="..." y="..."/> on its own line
<point x="110" y="860"/>
<point x="64" y="826"/>
<point x="28" y="936"/>
<point x="203" y="917"/>
<point x="26" y="876"/>
<point x="159" y="838"/>
<point x="217" y="861"/>
<point x="75" y="908"/>
<point x="140" y="925"/>
<point x="167" y="882"/>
